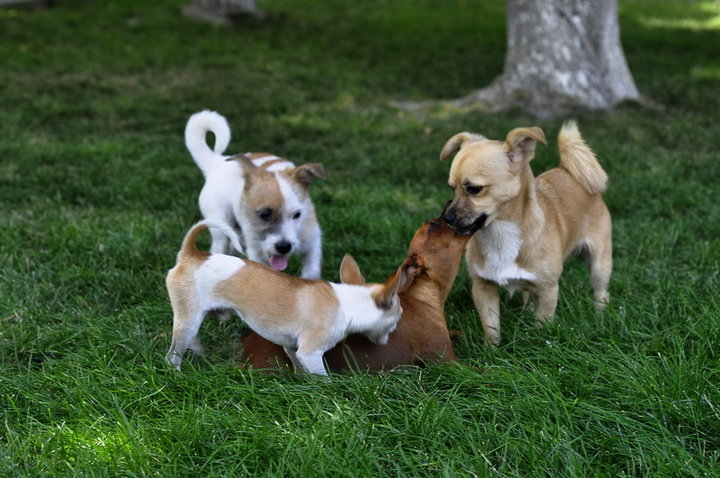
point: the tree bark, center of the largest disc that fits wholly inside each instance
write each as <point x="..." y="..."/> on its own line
<point x="562" y="55"/>
<point x="220" y="12"/>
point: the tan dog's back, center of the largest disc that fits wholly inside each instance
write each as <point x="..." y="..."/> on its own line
<point x="573" y="191"/>
<point x="272" y="299"/>
<point x="569" y="209"/>
<point x="267" y="304"/>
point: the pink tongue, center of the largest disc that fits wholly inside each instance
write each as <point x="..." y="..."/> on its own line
<point x="279" y="263"/>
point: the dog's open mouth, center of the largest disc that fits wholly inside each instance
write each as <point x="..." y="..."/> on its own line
<point x="279" y="263"/>
<point x="472" y="228"/>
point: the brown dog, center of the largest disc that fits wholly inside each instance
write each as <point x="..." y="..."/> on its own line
<point x="421" y="334"/>
<point x="528" y="225"/>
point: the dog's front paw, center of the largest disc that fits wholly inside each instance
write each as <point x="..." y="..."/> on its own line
<point x="173" y="359"/>
<point x="602" y="302"/>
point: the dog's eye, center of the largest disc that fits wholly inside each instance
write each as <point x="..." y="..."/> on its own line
<point x="296" y="215"/>
<point x="473" y="190"/>
<point x="265" y="213"/>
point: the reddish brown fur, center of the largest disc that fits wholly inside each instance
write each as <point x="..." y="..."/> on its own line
<point x="421" y="334"/>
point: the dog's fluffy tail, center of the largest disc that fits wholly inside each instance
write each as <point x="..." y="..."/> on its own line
<point x="196" y="130"/>
<point x="189" y="246"/>
<point x="578" y="159"/>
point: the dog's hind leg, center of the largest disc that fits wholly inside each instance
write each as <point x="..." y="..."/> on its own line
<point x="185" y="329"/>
<point x="598" y="248"/>
<point x="599" y="261"/>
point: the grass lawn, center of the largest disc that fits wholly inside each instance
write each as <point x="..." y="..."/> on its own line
<point x="97" y="190"/>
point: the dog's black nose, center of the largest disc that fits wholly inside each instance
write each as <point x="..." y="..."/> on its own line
<point x="283" y="247"/>
<point x="450" y="217"/>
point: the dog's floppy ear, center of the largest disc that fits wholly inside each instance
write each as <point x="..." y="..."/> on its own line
<point x="350" y="271"/>
<point x="454" y="144"/>
<point x="306" y="173"/>
<point x="521" y="143"/>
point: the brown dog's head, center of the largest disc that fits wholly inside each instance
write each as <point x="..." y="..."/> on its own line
<point x="436" y="249"/>
<point x="435" y="244"/>
<point x="486" y="174"/>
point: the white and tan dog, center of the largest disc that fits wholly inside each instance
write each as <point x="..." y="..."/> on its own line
<point x="262" y="195"/>
<point x="529" y="226"/>
<point x="306" y="317"/>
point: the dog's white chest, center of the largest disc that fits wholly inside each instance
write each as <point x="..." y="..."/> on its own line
<point x="500" y="244"/>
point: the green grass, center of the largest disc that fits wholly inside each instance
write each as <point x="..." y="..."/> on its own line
<point x="96" y="191"/>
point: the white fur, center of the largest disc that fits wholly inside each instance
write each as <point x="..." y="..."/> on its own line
<point x="500" y="243"/>
<point x="359" y="312"/>
<point x="222" y="195"/>
<point x="216" y="269"/>
<point x="197" y="128"/>
<point x="289" y="229"/>
<point x="311" y="248"/>
<point x="292" y="200"/>
<point x="228" y="231"/>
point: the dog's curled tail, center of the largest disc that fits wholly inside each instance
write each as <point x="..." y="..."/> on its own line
<point x="189" y="246"/>
<point x="196" y="130"/>
<point x="579" y="160"/>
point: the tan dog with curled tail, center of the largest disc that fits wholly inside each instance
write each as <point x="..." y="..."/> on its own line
<point x="528" y="226"/>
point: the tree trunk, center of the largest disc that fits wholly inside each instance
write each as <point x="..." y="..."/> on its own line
<point x="562" y="55"/>
<point x="220" y="12"/>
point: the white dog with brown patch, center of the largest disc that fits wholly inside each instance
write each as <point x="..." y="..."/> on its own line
<point x="263" y="196"/>
<point x="306" y="317"/>
<point x="528" y="225"/>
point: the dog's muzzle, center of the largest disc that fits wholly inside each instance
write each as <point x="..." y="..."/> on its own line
<point x="464" y="229"/>
<point x="283" y="247"/>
